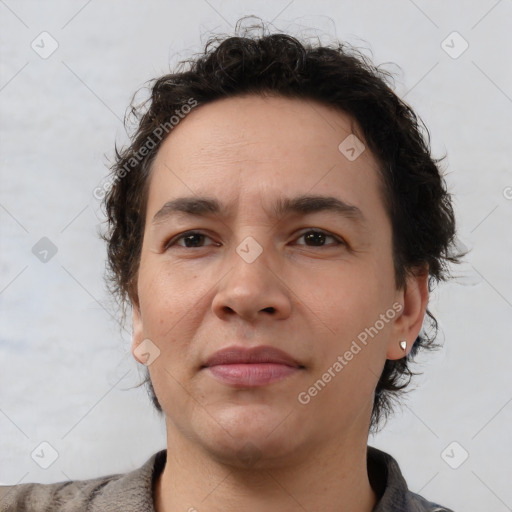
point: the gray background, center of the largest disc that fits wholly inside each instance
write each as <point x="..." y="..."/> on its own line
<point x="67" y="377"/>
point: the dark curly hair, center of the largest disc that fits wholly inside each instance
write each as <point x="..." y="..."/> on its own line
<point x="414" y="192"/>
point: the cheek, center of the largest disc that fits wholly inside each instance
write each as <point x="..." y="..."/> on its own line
<point x="166" y="296"/>
<point x="349" y="298"/>
<point x="348" y="305"/>
<point x="170" y="304"/>
<point x="166" y="312"/>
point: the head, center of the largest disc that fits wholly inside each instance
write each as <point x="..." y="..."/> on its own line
<point x="254" y="130"/>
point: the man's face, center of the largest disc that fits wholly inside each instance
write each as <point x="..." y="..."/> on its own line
<point x="307" y="281"/>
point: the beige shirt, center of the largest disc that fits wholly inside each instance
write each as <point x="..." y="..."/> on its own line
<point x="133" y="491"/>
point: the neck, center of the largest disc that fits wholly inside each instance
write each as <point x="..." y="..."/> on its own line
<point x="324" y="478"/>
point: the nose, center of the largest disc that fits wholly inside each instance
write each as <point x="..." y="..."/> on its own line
<point x="252" y="291"/>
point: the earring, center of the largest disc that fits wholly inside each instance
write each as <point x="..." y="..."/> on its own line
<point x="403" y="345"/>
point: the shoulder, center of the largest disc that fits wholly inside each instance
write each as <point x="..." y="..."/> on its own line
<point x="75" y="495"/>
<point x="119" y="492"/>
<point x="391" y="488"/>
<point x="420" y="504"/>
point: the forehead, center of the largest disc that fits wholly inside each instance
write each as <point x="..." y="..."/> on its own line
<point x="253" y="147"/>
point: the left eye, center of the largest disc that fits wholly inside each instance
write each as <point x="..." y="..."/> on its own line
<point x="317" y="238"/>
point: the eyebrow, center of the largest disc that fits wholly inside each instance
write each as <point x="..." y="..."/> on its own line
<point x="301" y="205"/>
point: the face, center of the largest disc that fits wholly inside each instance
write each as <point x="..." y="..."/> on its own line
<point x="283" y="243"/>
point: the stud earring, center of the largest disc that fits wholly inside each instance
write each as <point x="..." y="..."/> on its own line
<point x="403" y="345"/>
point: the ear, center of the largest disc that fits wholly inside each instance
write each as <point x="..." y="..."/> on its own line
<point x="137" y="329"/>
<point x="414" y="299"/>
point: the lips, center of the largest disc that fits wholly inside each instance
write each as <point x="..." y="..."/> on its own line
<point x="251" y="367"/>
<point x="255" y="355"/>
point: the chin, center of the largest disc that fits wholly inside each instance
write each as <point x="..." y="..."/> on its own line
<point x="248" y="436"/>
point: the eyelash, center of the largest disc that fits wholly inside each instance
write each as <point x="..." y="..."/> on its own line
<point x="170" y="243"/>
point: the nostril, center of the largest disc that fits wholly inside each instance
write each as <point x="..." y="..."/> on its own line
<point x="270" y="309"/>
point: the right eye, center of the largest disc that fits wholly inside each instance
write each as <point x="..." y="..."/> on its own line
<point x="191" y="239"/>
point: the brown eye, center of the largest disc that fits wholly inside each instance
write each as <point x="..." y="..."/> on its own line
<point x="317" y="238"/>
<point x="191" y="239"/>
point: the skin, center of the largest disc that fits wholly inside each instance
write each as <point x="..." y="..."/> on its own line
<point x="309" y="300"/>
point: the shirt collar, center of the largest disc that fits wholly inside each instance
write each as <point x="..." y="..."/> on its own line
<point x="136" y="488"/>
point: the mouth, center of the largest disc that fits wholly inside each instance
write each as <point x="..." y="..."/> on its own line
<point x="251" y="367"/>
